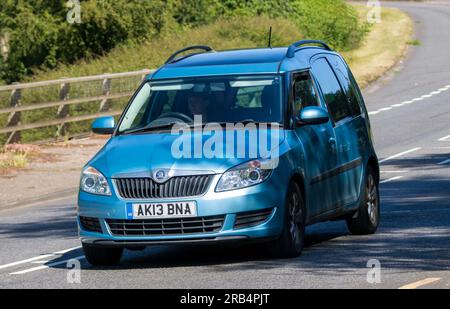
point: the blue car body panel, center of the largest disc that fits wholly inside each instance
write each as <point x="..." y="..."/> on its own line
<point x="331" y="178"/>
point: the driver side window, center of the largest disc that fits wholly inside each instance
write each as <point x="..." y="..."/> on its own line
<point x="304" y="92"/>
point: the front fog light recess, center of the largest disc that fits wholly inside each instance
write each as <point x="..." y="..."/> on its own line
<point x="242" y="176"/>
<point x="92" y="181"/>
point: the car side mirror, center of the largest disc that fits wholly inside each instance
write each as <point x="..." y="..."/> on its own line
<point x="313" y="115"/>
<point x="103" y="125"/>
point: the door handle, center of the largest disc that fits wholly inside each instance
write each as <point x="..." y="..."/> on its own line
<point x="332" y="142"/>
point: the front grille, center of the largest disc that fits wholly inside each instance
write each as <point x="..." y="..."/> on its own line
<point x="155" y="227"/>
<point x="90" y="224"/>
<point x="147" y="188"/>
<point x="251" y="218"/>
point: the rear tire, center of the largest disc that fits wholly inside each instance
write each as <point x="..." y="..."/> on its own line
<point x="292" y="239"/>
<point x="101" y="256"/>
<point x="367" y="218"/>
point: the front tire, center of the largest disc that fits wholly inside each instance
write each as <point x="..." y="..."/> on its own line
<point x="101" y="256"/>
<point x="292" y="239"/>
<point x="367" y="218"/>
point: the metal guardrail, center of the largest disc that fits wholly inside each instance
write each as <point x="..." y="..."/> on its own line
<point x="14" y="124"/>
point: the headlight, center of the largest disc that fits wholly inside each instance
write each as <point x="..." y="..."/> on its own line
<point x="92" y="181"/>
<point x="244" y="175"/>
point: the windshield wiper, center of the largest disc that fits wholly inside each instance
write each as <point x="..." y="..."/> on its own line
<point x="150" y="128"/>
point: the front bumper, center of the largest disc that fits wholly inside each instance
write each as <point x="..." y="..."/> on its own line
<point x="269" y="194"/>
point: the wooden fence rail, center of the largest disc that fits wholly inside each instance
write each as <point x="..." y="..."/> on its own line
<point x="14" y="125"/>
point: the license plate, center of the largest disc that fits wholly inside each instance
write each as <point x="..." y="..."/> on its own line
<point x="162" y="210"/>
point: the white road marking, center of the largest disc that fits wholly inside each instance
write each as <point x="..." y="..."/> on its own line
<point x="37" y="258"/>
<point x="391" y="179"/>
<point x="444" y="162"/>
<point x="400" y="154"/>
<point x="26" y="261"/>
<point x="29" y="270"/>
<point x="418" y="99"/>
<point x="396" y="172"/>
<point x="420" y="283"/>
<point x="385" y="109"/>
<point x="444" y="139"/>
<point x="67" y="250"/>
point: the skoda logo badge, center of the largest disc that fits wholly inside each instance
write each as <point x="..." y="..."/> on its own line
<point x="160" y="176"/>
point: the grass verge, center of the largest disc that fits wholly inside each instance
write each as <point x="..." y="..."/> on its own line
<point x="16" y="156"/>
<point x="383" y="47"/>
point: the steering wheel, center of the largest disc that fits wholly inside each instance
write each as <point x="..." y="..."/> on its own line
<point x="177" y="115"/>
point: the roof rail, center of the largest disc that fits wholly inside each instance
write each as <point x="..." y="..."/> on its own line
<point x="294" y="47"/>
<point x="202" y="47"/>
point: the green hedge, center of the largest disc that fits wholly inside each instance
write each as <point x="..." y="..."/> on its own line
<point x="40" y="36"/>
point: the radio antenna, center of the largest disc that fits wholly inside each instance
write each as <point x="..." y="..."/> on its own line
<point x="270" y="37"/>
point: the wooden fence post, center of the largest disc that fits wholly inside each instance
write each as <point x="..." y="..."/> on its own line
<point x="105" y="104"/>
<point x="14" y="117"/>
<point x="63" y="110"/>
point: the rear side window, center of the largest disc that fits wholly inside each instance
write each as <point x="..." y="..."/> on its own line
<point x="343" y="75"/>
<point x="333" y="94"/>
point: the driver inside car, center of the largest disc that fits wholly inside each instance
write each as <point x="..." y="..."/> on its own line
<point x="198" y="105"/>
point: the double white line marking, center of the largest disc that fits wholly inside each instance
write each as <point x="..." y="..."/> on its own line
<point x="42" y="259"/>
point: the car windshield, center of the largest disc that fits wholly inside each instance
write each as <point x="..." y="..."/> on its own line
<point x="220" y="99"/>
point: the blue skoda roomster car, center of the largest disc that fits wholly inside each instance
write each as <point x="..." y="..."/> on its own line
<point x="145" y="187"/>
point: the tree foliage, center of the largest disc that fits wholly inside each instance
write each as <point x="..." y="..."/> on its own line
<point x="40" y="36"/>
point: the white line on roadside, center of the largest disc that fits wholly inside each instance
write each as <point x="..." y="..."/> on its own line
<point x="400" y="154"/>
<point x="391" y="179"/>
<point x="385" y="109"/>
<point x="26" y="261"/>
<point x="418" y="99"/>
<point x="444" y="139"/>
<point x="29" y="270"/>
<point x="420" y="283"/>
<point x="67" y="250"/>
<point x="37" y="258"/>
<point x="444" y="162"/>
<point x="394" y="172"/>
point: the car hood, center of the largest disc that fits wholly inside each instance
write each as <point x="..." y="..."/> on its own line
<point x="144" y="153"/>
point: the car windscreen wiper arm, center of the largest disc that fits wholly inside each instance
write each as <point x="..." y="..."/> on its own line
<point x="150" y="128"/>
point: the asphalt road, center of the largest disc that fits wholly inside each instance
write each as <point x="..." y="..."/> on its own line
<point x="410" y="114"/>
